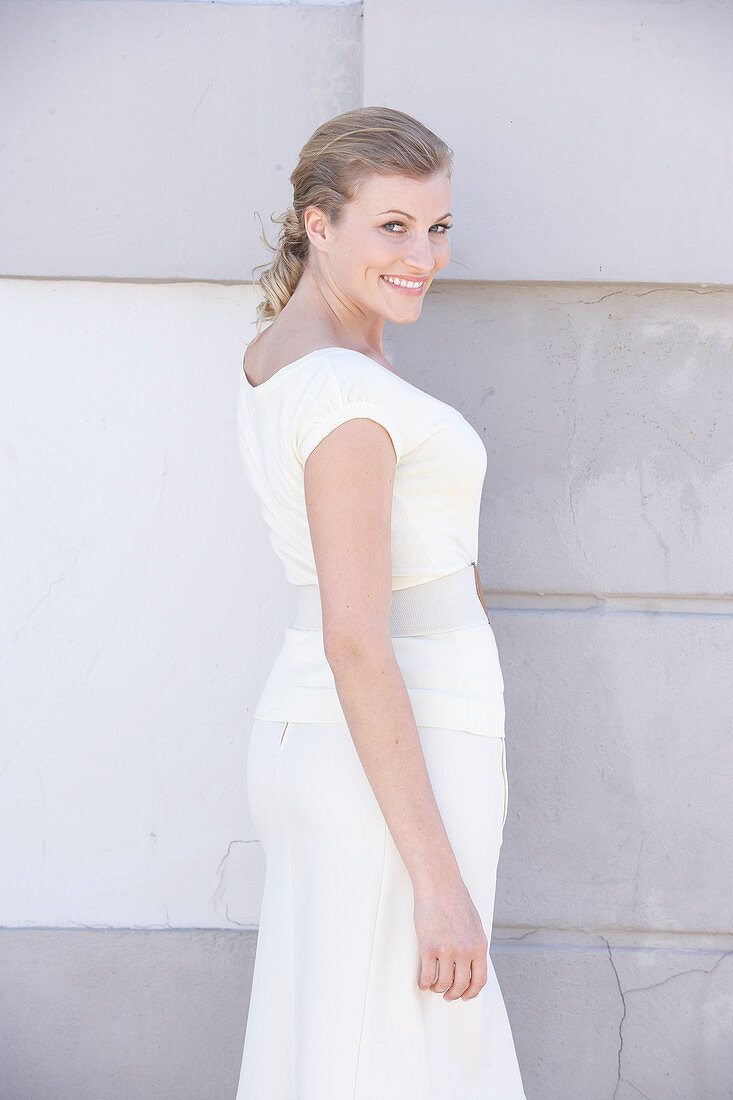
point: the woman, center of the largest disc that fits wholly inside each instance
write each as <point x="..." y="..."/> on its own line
<point x="376" y="767"/>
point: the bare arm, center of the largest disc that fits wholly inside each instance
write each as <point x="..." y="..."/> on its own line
<point x="349" y="481"/>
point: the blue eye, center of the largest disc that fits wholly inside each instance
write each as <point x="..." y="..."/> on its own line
<point x="439" y="225"/>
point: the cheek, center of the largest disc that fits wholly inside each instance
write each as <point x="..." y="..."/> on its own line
<point x="443" y="256"/>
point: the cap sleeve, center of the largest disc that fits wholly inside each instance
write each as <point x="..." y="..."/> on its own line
<point x="343" y="396"/>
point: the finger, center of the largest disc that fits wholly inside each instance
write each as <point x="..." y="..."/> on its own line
<point x="444" y="979"/>
<point x="428" y="971"/>
<point x="479" y="970"/>
<point x="461" y="979"/>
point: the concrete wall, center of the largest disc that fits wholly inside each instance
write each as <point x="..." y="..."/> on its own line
<point x="131" y="876"/>
<point x="593" y="141"/>
<point x="142" y="137"/>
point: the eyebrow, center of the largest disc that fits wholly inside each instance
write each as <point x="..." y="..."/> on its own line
<point x="409" y="216"/>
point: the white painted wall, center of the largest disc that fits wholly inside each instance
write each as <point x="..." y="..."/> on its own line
<point x="131" y="627"/>
<point x="146" y="603"/>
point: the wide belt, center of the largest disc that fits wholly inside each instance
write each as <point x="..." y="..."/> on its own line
<point x="453" y="602"/>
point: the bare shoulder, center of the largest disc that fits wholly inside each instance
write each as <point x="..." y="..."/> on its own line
<point x="264" y="357"/>
<point x="270" y="352"/>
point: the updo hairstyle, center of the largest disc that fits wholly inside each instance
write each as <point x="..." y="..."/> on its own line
<point x="332" y="164"/>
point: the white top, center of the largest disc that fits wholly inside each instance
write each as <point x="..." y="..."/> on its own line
<point x="454" y="678"/>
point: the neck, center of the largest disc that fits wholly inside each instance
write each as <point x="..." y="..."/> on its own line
<point x="318" y="308"/>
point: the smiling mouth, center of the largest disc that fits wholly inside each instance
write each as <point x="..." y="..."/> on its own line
<point x="414" y="286"/>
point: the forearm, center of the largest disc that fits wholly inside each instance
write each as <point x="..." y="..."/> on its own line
<point x="379" y="715"/>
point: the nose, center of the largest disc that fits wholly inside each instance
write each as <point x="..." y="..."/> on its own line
<point x="419" y="256"/>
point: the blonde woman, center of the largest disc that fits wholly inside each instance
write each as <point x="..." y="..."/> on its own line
<point x="376" y="769"/>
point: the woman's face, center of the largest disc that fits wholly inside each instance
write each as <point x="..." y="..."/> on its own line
<point x="394" y="229"/>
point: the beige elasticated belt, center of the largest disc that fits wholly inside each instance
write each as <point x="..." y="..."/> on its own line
<point x="447" y="603"/>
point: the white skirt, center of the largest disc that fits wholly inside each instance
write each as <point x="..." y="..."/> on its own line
<point x="336" y="1012"/>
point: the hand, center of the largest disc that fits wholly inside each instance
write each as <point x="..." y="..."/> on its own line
<point x="450" y="935"/>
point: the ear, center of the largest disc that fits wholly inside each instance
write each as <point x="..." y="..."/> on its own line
<point x="317" y="227"/>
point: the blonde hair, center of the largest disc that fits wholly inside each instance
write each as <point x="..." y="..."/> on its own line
<point x="332" y="164"/>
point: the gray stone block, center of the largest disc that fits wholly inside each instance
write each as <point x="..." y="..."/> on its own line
<point x="619" y="757"/>
<point x="140" y="138"/>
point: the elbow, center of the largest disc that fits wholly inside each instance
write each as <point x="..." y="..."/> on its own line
<point x="346" y="648"/>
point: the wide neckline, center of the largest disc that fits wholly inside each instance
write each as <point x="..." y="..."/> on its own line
<point x="254" y="390"/>
<point x="285" y="367"/>
<point x="264" y="387"/>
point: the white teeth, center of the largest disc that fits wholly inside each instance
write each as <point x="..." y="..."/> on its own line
<point x="402" y="282"/>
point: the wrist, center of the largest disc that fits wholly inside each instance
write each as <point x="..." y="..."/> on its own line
<point x="439" y="875"/>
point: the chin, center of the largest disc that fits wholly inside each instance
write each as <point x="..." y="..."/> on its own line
<point x="407" y="318"/>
